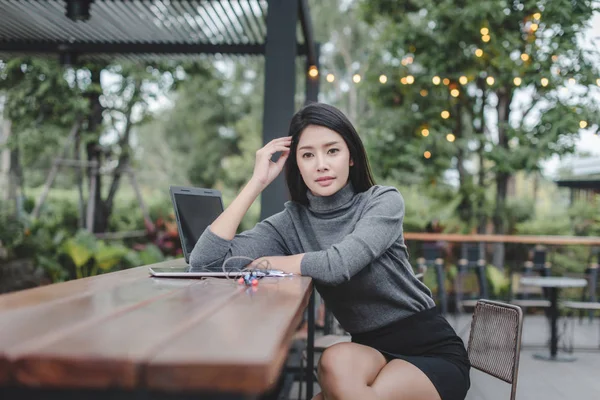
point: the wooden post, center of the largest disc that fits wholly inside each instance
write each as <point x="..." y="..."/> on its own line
<point x="79" y="178"/>
<point x="138" y="194"/>
<point x="91" y="205"/>
<point x="54" y="170"/>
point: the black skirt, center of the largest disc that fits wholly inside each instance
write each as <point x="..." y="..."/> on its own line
<point x="427" y="341"/>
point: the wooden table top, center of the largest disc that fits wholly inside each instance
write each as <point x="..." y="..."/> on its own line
<point x="130" y="331"/>
<point x="524" y="239"/>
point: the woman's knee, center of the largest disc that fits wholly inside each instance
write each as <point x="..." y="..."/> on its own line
<point x="336" y="359"/>
<point x="351" y="360"/>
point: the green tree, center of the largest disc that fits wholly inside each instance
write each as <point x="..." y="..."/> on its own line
<point x="493" y="54"/>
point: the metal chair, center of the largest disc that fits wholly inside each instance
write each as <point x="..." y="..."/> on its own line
<point x="531" y="296"/>
<point x="472" y="260"/>
<point x="433" y="258"/>
<point x="495" y="340"/>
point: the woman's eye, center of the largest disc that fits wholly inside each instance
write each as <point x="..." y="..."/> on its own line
<point x="306" y="155"/>
<point x="333" y="151"/>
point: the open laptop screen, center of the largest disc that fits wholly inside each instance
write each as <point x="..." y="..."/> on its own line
<point x="196" y="212"/>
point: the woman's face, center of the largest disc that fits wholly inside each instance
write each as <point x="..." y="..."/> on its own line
<point x="323" y="160"/>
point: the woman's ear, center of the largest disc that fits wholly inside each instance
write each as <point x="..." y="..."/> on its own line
<point x="351" y="162"/>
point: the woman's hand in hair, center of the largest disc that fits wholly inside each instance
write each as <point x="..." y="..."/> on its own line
<point x="266" y="170"/>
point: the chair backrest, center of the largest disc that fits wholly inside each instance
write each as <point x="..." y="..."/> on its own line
<point x="495" y="340"/>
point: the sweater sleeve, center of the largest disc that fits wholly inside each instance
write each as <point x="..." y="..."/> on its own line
<point x="378" y="228"/>
<point x="263" y="240"/>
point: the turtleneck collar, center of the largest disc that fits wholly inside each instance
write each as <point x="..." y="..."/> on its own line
<point x="330" y="203"/>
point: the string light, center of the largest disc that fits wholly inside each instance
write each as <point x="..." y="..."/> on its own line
<point x="356" y="78"/>
<point x="436" y="80"/>
<point x="524" y="56"/>
<point x="382" y="79"/>
<point x="424" y="92"/>
<point x="410" y="79"/>
<point x="463" y="80"/>
<point x="555" y="58"/>
<point x="425" y="132"/>
<point x="479" y="52"/>
<point x="572" y="81"/>
<point x="486" y="38"/>
<point x="517" y="81"/>
<point x="403" y="80"/>
<point x="313" y="71"/>
<point x="330" y="78"/>
<point x="445" y="114"/>
<point x="454" y="93"/>
<point x="582" y="124"/>
<point x="427" y="154"/>
<point x="490" y="80"/>
<point x="544" y="82"/>
<point x="534" y="27"/>
<point x="450" y="137"/>
<point x="446" y="81"/>
<point x="484" y="31"/>
<point x="537" y="16"/>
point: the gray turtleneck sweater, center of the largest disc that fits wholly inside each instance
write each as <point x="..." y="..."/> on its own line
<point x="354" y="250"/>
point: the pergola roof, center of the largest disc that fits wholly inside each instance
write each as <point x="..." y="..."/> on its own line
<point x="140" y="29"/>
<point x="587" y="183"/>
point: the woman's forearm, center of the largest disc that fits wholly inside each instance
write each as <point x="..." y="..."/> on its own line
<point x="226" y="225"/>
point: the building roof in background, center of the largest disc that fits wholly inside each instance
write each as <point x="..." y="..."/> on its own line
<point x="139" y="30"/>
<point x="584" y="173"/>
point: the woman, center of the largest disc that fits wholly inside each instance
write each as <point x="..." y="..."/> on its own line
<point x="346" y="233"/>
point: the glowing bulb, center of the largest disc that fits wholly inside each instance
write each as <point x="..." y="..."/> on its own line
<point x="450" y="137"/>
<point x="403" y="81"/>
<point x="572" y="81"/>
<point x="544" y="82"/>
<point x="382" y="78"/>
<point x="409" y="60"/>
<point x="490" y="80"/>
<point x="598" y="81"/>
<point x="313" y="71"/>
<point x="479" y="52"/>
<point x="410" y="79"/>
<point x="454" y="93"/>
<point x="517" y="81"/>
<point x="424" y="92"/>
<point x="555" y="58"/>
<point x="537" y="16"/>
<point x="582" y="124"/>
<point x="534" y="27"/>
<point x="446" y="81"/>
<point x="427" y="154"/>
<point x="463" y="80"/>
<point x="445" y="114"/>
<point x="330" y="78"/>
<point x="524" y="57"/>
<point x="436" y="80"/>
<point x="404" y="62"/>
<point x="356" y="78"/>
<point x="486" y="38"/>
<point x="484" y="31"/>
<point x="425" y="132"/>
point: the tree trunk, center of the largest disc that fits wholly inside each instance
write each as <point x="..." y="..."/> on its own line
<point x="502" y="177"/>
<point x="94" y="154"/>
<point x="481" y="216"/>
<point x="465" y="208"/>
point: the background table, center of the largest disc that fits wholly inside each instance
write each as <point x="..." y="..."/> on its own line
<point x="553" y="284"/>
<point x="128" y="333"/>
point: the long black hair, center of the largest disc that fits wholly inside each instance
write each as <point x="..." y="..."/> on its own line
<point x="329" y="117"/>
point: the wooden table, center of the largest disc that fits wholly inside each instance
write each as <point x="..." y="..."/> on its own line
<point x="553" y="283"/>
<point x="128" y="335"/>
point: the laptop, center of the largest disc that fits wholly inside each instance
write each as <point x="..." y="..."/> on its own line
<point x="195" y="209"/>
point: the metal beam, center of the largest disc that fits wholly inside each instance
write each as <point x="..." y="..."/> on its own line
<point x="136" y="48"/>
<point x="307" y="32"/>
<point x="131" y="48"/>
<point x="280" y="88"/>
<point x="312" y="83"/>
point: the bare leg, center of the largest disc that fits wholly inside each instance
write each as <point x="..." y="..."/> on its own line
<point x="346" y="371"/>
<point x="400" y="380"/>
